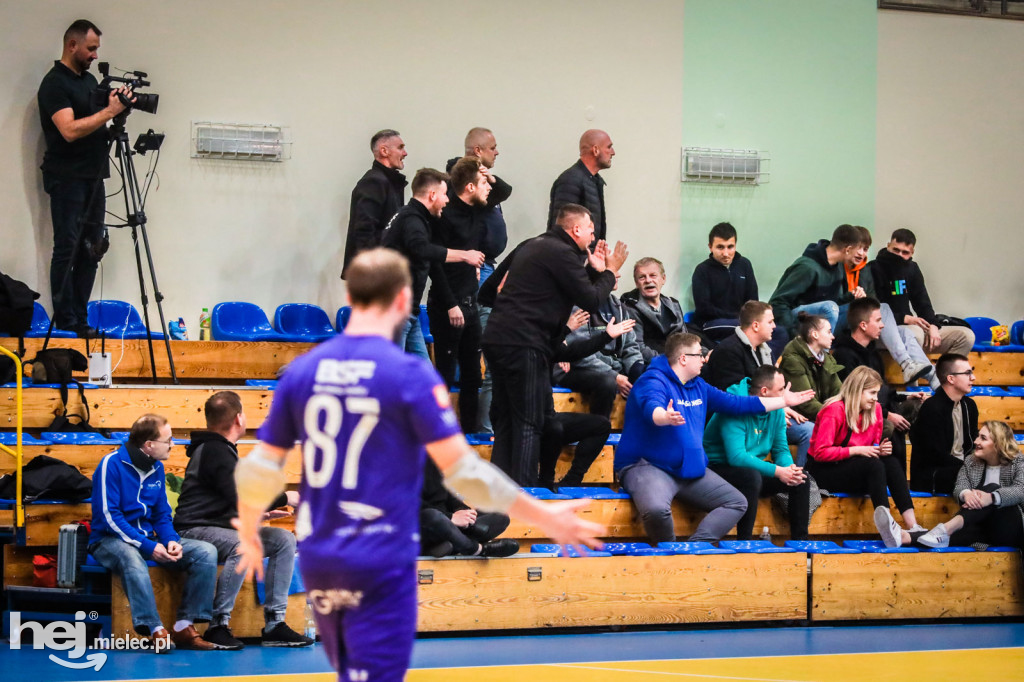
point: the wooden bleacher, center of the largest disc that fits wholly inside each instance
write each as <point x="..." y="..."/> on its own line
<point x="526" y="592"/>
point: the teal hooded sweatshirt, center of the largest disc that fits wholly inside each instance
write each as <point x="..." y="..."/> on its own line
<point x="748" y="440"/>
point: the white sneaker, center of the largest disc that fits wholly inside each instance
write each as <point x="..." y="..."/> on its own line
<point x="936" y="537"/>
<point x="912" y="371"/>
<point x="892" y="534"/>
<point x="918" y="528"/>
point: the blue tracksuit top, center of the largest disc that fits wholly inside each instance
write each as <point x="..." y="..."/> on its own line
<point x="679" y="450"/>
<point x="130" y="503"/>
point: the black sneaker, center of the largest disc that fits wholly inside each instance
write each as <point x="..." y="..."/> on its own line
<point x="220" y="636"/>
<point x="500" y="548"/>
<point x="282" y="635"/>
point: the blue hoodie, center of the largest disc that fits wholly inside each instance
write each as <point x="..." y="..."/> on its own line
<point x="131" y="503"/>
<point x="679" y="450"/>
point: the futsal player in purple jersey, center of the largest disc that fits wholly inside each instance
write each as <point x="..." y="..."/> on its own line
<point x="367" y="414"/>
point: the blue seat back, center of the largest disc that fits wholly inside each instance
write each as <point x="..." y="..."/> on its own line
<point x="425" y="325"/>
<point x="117" y="319"/>
<point x="341" y="319"/>
<point x="41" y="322"/>
<point x="303" y="319"/>
<point x="1017" y="333"/>
<point x="982" y="328"/>
<point x="240" y="321"/>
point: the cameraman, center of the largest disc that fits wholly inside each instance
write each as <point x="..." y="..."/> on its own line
<point x="74" y="167"/>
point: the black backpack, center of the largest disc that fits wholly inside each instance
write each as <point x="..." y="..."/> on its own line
<point x="16" y="305"/>
<point x="46" y="477"/>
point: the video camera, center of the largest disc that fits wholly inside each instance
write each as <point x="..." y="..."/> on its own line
<point x="134" y="80"/>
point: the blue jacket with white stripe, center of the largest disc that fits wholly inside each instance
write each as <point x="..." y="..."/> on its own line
<point x="131" y="503"/>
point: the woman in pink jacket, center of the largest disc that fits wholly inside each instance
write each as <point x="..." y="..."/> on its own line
<point x="849" y="455"/>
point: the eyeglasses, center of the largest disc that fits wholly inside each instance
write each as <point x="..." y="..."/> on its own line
<point x="169" y="442"/>
<point x="969" y="372"/>
<point x="693" y="355"/>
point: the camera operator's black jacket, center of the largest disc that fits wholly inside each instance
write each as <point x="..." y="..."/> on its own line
<point x="208" y="494"/>
<point x="410" y="233"/>
<point x="85" y="158"/>
<point x="376" y="198"/>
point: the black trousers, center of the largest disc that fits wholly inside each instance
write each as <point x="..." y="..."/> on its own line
<point x="437" y="527"/>
<point x="521" y="394"/>
<point x="753" y="485"/>
<point x="588" y="431"/>
<point x="859" y="475"/>
<point x="996" y="526"/>
<point x="459" y="346"/>
<point x="76" y="206"/>
<point x="599" y="387"/>
<point x="939" y="479"/>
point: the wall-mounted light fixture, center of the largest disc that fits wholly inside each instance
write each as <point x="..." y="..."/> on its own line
<point x="724" y="166"/>
<point x="240" y="142"/>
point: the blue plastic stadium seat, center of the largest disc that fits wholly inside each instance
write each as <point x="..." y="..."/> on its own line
<point x="820" y="547"/>
<point x="241" y="321"/>
<point x="992" y="391"/>
<point x="76" y="438"/>
<point x="303" y="319"/>
<point x="650" y="551"/>
<point x="341" y="319"/>
<point x="268" y="384"/>
<point x="570" y="552"/>
<point x="688" y="316"/>
<point x="117" y="319"/>
<point x="877" y="547"/>
<point x="480" y="438"/>
<point x="982" y="328"/>
<point x="425" y="325"/>
<point x="560" y="389"/>
<point x="1015" y="391"/>
<point x="1017" y="333"/>
<point x="1002" y="549"/>
<point x="700" y="548"/>
<point x="122" y="437"/>
<point x="754" y="547"/>
<point x="619" y="548"/>
<point x="951" y="550"/>
<point x="545" y="494"/>
<point x="592" y="493"/>
<point x="40" y="323"/>
<point x="10" y="438"/>
<point x="614" y="438"/>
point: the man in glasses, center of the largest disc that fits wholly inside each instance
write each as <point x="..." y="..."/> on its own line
<point x="131" y="524"/>
<point x="661" y="454"/>
<point x="944" y="432"/>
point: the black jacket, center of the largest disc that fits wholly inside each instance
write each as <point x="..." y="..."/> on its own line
<point x="577" y="186"/>
<point x="494" y="235"/>
<point x="719" y="291"/>
<point x="547" y="276"/>
<point x="932" y="437"/>
<point x="208" y="496"/>
<point x="900" y="283"/>
<point x="851" y="355"/>
<point x="734" y="360"/>
<point x="459" y="227"/>
<point x="810" y="279"/>
<point x="376" y="198"/>
<point x="410" y="234"/>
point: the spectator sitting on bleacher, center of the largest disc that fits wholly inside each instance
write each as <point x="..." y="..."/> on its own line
<point x="131" y="523"/>
<point x="448" y="526"/>
<point x="738" y="357"/>
<point x="751" y="453"/>
<point x="610" y="371"/>
<point x="899" y="282"/>
<point x="990" y="488"/>
<point x="856" y="347"/>
<point x="657" y="314"/>
<point x="945" y="429"/>
<point x="661" y="454"/>
<point x="807" y="363"/>
<point x="849" y="455"/>
<point x="206" y="507"/>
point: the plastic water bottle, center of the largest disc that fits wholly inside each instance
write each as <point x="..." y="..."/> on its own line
<point x="204" y="325"/>
<point x="310" y="622"/>
<point x="765" y="535"/>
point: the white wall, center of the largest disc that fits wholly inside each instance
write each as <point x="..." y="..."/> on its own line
<point x="950" y="138"/>
<point x="335" y="72"/>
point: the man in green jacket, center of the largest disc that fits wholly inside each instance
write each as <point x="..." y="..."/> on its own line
<point x="807" y="364"/>
<point x="751" y="453"/>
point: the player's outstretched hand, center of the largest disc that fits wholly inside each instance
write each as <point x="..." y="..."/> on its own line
<point x="250" y="548"/>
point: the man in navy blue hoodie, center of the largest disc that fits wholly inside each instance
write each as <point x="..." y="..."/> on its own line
<point x="131" y="523"/>
<point x="661" y="454"/>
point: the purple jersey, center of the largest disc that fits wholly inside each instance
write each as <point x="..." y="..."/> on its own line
<point x="363" y="410"/>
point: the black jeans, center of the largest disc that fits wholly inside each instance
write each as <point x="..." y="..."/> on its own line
<point x="858" y="475"/>
<point x="69" y="201"/>
<point x="437" y="527"/>
<point x="588" y="431"/>
<point x="753" y="485"/>
<point x="599" y="387"/>
<point x="996" y="526"/>
<point x="459" y="346"/>
<point x="522" y="391"/>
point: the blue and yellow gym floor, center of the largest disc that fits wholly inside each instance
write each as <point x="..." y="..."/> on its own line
<point x="903" y="653"/>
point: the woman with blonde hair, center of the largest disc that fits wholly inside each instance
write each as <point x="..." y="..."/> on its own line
<point x="990" y="488"/>
<point x="849" y="455"/>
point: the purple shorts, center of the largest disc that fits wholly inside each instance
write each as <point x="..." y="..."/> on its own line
<point x="366" y="620"/>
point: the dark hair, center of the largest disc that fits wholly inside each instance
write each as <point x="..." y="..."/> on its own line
<point x="904" y="236"/>
<point x="676" y="342"/>
<point x="763" y="377"/>
<point x="146" y="427"/>
<point x="375" y="276"/>
<point x="751" y="312"/>
<point x="865" y="235"/>
<point x="465" y="171"/>
<point x="860" y="311"/>
<point x="807" y="324"/>
<point x="568" y="211"/>
<point x="221" y="409"/>
<point x="382" y="135"/>
<point x="843" y="236"/>
<point x="944" y="366"/>
<point x="79" y="29"/>
<point x="427" y="178"/>
<point x="724" y="231"/>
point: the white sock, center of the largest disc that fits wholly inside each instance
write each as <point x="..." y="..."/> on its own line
<point x="181" y="625"/>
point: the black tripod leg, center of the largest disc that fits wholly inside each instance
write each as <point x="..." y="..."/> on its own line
<point x="145" y="302"/>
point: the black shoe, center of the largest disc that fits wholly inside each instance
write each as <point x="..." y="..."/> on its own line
<point x="441" y="549"/>
<point x="500" y="548"/>
<point x="282" y="635"/>
<point x="220" y="636"/>
<point x="84" y="331"/>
